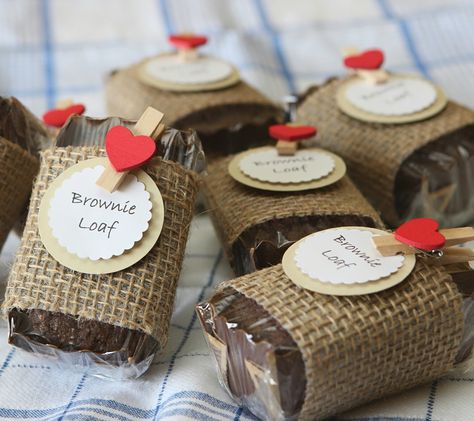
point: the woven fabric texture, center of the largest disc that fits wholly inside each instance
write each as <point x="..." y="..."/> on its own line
<point x="357" y="349"/>
<point x="140" y="297"/>
<point x="127" y="96"/>
<point x="235" y="207"/>
<point x="18" y="169"/>
<point x="374" y="152"/>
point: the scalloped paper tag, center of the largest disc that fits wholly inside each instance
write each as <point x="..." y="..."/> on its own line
<point x="94" y="224"/>
<point x="396" y="97"/>
<point x="90" y="230"/>
<point x="170" y="72"/>
<point x="344" y="261"/>
<point x="306" y="165"/>
<point x="402" y="99"/>
<point x="172" y="69"/>
<point x="310" y="168"/>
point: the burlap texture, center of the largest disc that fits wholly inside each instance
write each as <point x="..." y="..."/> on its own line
<point x="206" y="111"/>
<point x="357" y="349"/>
<point x="140" y="297"/>
<point x="235" y="207"/>
<point x="17" y="172"/>
<point x="374" y="152"/>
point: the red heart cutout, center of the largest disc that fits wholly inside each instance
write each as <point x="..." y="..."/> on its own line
<point x="126" y="151"/>
<point x="421" y="233"/>
<point x="58" y="116"/>
<point x="187" y="41"/>
<point x="368" y="60"/>
<point x="291" y="133"/>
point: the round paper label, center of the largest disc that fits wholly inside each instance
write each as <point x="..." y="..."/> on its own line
<point x="95" y="224"/>
<point x="264" y="169"/>
<point x="171" y="68"/>
<point x="344" y="261"/>
<point x="90" y="230"/>
<point x="305" y="165"/>
<point x="402" y="99"/>
<point x="397" y="96"/>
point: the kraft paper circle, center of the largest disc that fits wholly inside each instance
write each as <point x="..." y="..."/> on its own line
<point x="351" y="110"/>
<point x="303" y="280"/>
<point x="335" y="175"/>
<point x="217" y="81"/>
<point x="115" y="263"/>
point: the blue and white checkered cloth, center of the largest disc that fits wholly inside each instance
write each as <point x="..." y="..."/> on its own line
<point x="53" y="49"/>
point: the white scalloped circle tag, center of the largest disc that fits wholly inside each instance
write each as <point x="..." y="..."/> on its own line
<point x="344" y="256"/>
<point x="306" y="165"/>
<point x="344" y="261"/>
<point x="94" y="224"/>
<point x="172" y="69"/>
<point x="90" y="230"/>
<point x="397" y="97"/>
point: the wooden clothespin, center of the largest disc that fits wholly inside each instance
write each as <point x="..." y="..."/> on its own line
<point x="366" y="64"/>
<point x="421" y="235"/>
<point x="288" y="136"/>
<point x="64" y="109"/>
<point x="187" y="44"/>
<point x="129" y="149"/>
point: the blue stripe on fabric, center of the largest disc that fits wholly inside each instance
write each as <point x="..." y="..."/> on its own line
<point x="187" y="332"/>
<point x="238" y="413"/>
<point x="194" y="405"/>
<point x="165" y="13"/>
<point x="277" y="47"/>
<point x="48" y="53"/>
<point x="190" y="413"/>
<point x="76" y="414"/>
<point x="85" y="404"/>
<point x="7" y="361"/>
<point x="407" y="36"/>
<point x="79" y="387"/>
<point x="431" y="401"/>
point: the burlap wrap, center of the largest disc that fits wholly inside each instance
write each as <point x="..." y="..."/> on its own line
<point x="140" y="297"/>
<point x="206" y="112"/>
<point x="21" y="137"/>
<point x="235" y="207"/>
<point x="17" y="171"/>
<point x="357" y="349"/>
<point x="375" y="152"/>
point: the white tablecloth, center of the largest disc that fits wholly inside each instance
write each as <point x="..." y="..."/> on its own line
<point x="52" y="49"/>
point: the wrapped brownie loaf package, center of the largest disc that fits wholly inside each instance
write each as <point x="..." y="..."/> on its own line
<point x="202" y="92"/>
<point x="21" y="137"/>
<point x="292" y="344"/>
<point x="256" y="225"/>
<point x="409" y="149"/>
<point x="94" y="279"/>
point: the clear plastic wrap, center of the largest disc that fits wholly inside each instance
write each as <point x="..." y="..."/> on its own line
<point x="106" y="349"/>
<point x="424" y="168"/>
<point x="438" y="180"/>
<point x="261" y="366"/>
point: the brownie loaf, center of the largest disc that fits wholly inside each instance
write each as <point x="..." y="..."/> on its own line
<point x="264" y="366"/>
<point x="112" y="323"/>
<point x="405" y="170"/>
<point x="227" y="120"/>
<point x="256" y="227"/>
<point x="21" y="137"/>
